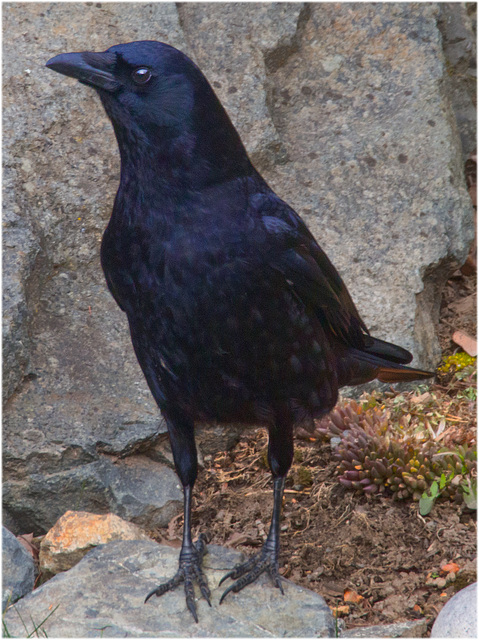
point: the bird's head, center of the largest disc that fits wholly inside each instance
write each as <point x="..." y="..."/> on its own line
<point x="149" y="83"/>
<point x="155" y="96"/>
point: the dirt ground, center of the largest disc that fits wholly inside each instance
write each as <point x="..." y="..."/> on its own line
<point x="375" y="560"/>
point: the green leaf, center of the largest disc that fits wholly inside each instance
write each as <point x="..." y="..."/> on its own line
<point x="469" y="494"/>
<point x="434" y="490"/>
<point x="425" y="504"/>
<point x="471" y="500"/>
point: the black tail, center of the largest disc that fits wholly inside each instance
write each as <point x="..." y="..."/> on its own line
<point x="379" y="360"/>
<point x="388" y="356"/>
<point x="386" y="350"/>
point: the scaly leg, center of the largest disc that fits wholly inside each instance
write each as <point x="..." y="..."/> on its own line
<point x="267" y="558"/>
<point x="191" y="555"/>
<point x="280" y="456"/>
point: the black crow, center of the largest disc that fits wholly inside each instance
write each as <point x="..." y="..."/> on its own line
<point x="236" y="314"/>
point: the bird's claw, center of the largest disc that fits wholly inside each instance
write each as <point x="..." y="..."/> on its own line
<point x="249" y="571"/>
<point x="189" y="571"/>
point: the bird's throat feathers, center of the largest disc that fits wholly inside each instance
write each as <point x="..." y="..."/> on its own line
<point x="183" y="155"/>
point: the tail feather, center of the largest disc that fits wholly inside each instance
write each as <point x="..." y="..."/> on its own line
<point x="386" y="350"/>
<point x="401" y="374"/>
<point x="360" y="366"/>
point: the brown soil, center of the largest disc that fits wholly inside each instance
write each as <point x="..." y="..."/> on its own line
<point x="373" y="559"/>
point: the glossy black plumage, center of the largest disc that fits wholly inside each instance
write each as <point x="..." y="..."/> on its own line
<point x="235" y="312"/>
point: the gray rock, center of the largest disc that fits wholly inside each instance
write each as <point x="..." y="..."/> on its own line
<point x="458" y="617"/>
<point x="18" y="569"/>
<point x="144" y="492"/>
<point x="406" y="629"/>
<point x="20" y="251"/>
<point x="459" y="42"/>
<point x="136" y="489"/>
<point x="104" y="595"/>
<point x="343" y="110"/>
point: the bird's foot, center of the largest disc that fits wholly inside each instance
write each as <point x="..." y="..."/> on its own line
<point x="189" y="572"/>
<point x="249" y="571"/>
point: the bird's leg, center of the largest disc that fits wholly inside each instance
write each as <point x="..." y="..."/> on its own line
<point x="267" y="558"/>
<point x="191" y="554"/>
<point x="280" y="456"/>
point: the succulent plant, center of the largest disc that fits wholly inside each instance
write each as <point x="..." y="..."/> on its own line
<point x="377" y="454"/>
<point x="459" y="360"/>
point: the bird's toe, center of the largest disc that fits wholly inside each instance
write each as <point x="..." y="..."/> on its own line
<point x="250" y="571"/>
<point x="189" y="572"/>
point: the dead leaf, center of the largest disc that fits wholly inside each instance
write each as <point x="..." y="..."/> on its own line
<point x="422" y="398"/>
<point x="26" y="540"/>
<point x="333" y="589"/>
<point x="352" y="596"/>
<point x="450" y="567"/>
<point x="235" y="539"/>
<point x="173" y="527"/>
<point x="467" y="342"/>
<point x="470" y="266"/>
<point x="465" y="306"/>
<point x="341" y="610"/>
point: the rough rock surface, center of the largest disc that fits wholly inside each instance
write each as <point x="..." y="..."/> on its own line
<point x="458" y="617"/>
<point x="76" y="532"/>
<point x="342" y="108"/>
<point x="407" y="629"/>
<point x="136" y="489"/>
<point x="457" y="24"/>
<point x="18" y="569"/>
<point x="103" y="595"/>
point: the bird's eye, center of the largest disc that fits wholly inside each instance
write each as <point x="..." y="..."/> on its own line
<point x="141" y="75"/>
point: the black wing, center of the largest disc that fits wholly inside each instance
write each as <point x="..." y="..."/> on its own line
<point x="312" y="276"/>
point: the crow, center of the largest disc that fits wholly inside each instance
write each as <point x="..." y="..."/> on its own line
<point x="236" y="314"/>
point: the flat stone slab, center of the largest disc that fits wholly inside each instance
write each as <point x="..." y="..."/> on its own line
<point x="103" y="595"/>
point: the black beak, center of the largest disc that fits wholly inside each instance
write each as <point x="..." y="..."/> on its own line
<point x="94" y="69"/>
